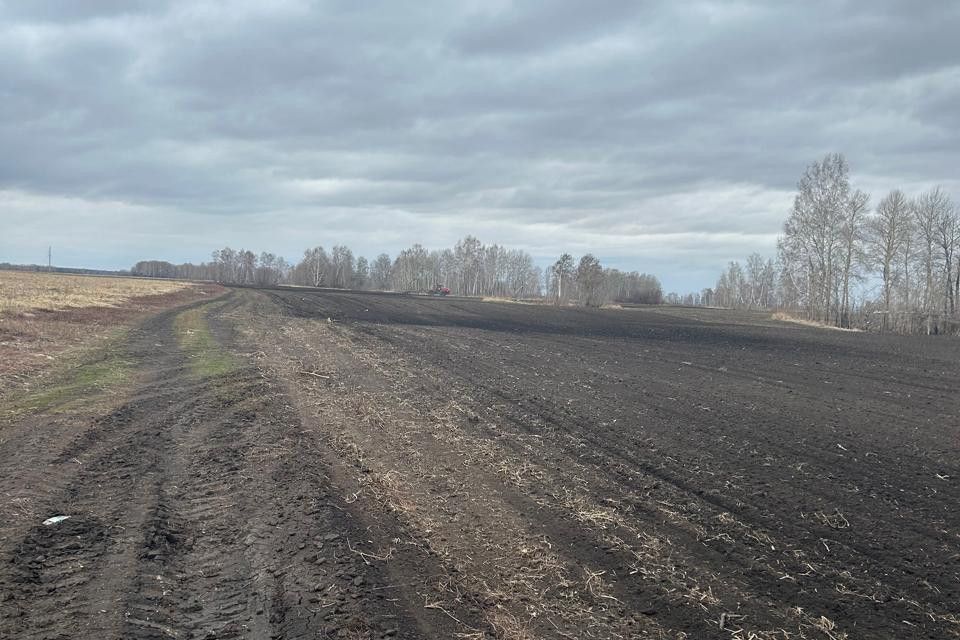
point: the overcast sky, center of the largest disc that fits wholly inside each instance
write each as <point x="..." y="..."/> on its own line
<point x="663" y="137"/>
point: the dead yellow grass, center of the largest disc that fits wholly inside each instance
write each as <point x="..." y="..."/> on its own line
<point x="26" y="291"/>
<point x="510" y="300"/>
<point x="784" y="317"/>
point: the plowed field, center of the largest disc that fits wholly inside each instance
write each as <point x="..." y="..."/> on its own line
<point x="309" y="464"/>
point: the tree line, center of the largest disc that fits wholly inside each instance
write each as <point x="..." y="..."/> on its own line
<point x="589" y="283"/>
<point x="469" y="268"/>
<point x="892" y="267"/>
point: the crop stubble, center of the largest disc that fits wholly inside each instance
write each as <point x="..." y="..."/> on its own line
<point x="362" y="465"/>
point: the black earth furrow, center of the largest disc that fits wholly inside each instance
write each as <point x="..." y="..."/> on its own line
<point x="871" y="562"/>
<point x="586" y="430"/>
<point x="876" y="453"/>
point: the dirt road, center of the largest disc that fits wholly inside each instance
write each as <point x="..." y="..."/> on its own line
<point x="299" y="464"/>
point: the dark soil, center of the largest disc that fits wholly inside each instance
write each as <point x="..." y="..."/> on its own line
<point x="398" y="466"/>
<point x="197" y="510"/>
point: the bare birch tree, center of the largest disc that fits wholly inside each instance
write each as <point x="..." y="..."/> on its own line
<point x="562" y="271"/>
<point x="811" y="243"/>
<point x="948" y="237"/>
<point x="589" y="277"/>
<point x="927" y="211"/>
<point x="851" y="236"/>
<point x="887" y="233"/>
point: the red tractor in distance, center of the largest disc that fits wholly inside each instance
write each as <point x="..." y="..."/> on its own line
<point x="439" y="290"/>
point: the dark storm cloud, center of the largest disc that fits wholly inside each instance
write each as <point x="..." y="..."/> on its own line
<point x="666" y="134"/>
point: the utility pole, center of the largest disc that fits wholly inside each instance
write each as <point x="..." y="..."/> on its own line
<point x="49" y="258"/>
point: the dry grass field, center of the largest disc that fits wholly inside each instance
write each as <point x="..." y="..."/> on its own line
<point x="46" y="316"/>
<point x="24" y="291"/>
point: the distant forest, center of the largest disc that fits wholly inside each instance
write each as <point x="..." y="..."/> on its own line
<point x="6" y="266"/>
<point x="469" y="268"/>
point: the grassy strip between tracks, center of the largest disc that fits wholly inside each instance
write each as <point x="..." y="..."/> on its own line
<point x="81" y="382"/>
<point x="206" y="355"/>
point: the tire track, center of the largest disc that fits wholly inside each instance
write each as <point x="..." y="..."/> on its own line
<point x="196" y="511"/>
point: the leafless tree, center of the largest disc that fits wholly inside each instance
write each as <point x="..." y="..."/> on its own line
<point x="948" y="237"/>
<point x="632" y="287"/>
<point x="270" y="269"/>
<point x="562" y="272"/>
<point x="887" y="232"/>
<point x="851" y="233"/>
<point x="342" y="264"/>
<point x="590" y="281"/>
<point x="412" y="270"/>
<point x="812" y="244"/>
<point x="380" y="272"/>
<point x="928" y="209"/>
<point x="361" y="274"/>
<point x="313" y="269"/>
<point x="248" y="267"/>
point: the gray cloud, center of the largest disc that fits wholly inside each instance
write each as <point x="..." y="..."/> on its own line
<point x="662" y="136"/>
